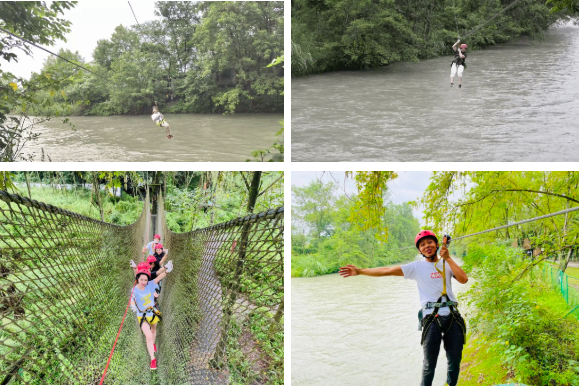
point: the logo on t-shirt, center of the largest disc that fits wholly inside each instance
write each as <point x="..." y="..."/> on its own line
<point x="436" y="275"/>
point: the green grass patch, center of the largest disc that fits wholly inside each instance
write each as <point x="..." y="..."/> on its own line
<point x="478" y="366"/>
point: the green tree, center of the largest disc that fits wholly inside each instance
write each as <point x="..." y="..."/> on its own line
<point x="491" y="199"/>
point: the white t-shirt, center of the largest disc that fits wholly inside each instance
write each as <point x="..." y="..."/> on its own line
<point x="156" y="117"/>
<point x="430" y="282"/>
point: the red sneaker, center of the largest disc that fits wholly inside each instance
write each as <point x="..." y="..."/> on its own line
<point x="154" y="348"/>
<point x="154" y="364"/>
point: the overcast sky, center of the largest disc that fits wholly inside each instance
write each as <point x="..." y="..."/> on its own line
<point x="91" y="21"/>
<point x="408" y="186"/>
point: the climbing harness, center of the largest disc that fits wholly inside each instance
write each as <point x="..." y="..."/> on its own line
<point x="155" y="311"/>
<point x="454" y="315"/>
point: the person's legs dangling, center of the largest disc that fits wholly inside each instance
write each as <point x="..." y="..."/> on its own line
<point x="431" y="347"/>
<point x="453" y="344"/>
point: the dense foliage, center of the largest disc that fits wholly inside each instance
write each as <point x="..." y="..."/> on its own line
<point x="204" y="57"/>
<point x="520" y="318"/>
<point x="491" y="199"/>
<point x="329" y="35"/>
<point x="324" y="237"/>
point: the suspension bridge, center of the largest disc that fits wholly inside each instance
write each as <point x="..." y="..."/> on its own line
<point x="65" y="283"/>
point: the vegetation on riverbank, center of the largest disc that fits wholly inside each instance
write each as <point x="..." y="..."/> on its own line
<point x="345" y="35"/>
<point x="195" y="199"/>
<point x="199" y="57"/>
<point x="518" y="322"/>
<point x="324" y="237"/>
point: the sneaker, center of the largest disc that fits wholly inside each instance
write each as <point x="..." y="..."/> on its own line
<point x="451" y="84"/>
<point x="459" y="86"/>
<point x="154" y="348"/>
<point x="154" y="364"/>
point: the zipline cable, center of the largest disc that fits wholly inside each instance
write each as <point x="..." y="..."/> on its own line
<point x="496" y="15"/>
<point x="133" y="13"/>
<point x="513" y="224"/>
<point x="521" y="222"/>
<point x="52" y="53"/>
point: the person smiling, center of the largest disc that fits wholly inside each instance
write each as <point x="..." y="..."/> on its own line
<point x="438" y="318"/>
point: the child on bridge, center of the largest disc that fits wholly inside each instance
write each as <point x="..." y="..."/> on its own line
<point x="142" y="303"/>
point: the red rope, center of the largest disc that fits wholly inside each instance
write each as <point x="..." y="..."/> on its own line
<point x="123" y="321"/>
<point x="117" y="338"/>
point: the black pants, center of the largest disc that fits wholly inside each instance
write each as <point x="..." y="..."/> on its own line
<point x="453" y="344"/>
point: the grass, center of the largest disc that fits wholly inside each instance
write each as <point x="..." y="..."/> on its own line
<point x="119" y="211"/>
<point x="478" y="367"/>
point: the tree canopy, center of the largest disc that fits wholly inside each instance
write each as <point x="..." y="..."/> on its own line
<point x="329" y="35"/>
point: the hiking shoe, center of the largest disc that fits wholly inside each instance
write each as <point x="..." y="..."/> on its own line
<point x="154" y="348"/>
<point x="153" y="364"/>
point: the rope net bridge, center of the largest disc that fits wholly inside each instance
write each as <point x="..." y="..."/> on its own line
<point x="65" y="283"/>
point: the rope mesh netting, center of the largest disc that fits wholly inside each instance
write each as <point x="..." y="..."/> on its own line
<point x="223" y="305"/>
<point x="65" y="282"/>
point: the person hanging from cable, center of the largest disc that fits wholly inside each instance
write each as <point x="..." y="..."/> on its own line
<point x="143" y="304"/>
<point x="438" y="318"/>
<point x="159" y="119"/>
<point x="458" y="64"/>
<point x="149" y="248"/>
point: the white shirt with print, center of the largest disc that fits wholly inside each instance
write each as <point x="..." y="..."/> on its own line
<point x="430" y="282"/>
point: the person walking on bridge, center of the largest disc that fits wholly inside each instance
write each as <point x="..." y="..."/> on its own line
<point x="438" y="318"/>
<point x="458" y="64"/>
<point x="143" y="304"/>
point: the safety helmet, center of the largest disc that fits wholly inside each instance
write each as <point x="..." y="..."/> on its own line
<point x="159" y="246"/>
<point x="151" y="259"/>
<point x="463" y="46"/>
<point x="143" y="270"/>
<point x="421" y="235"/>
<point x="157" y="237"/>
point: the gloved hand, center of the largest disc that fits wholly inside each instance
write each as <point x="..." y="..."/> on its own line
<point x="169" y="266"/>
<point x="458" y="40"/>
<point x="133" y="265"/>
<point x="133" y="308"/>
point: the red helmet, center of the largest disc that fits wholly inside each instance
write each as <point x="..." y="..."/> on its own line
<point x="157" y="237"/>
<point x="421" y="235"/>
<point x="159" y="246"/>
<point x="463" y="46"/>
<point x="143" y="269"/>
<point x="151" y="259"/>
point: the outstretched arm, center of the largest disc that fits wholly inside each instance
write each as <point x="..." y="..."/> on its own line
<point x="351" y="270"/>
<point x="455" y="45"/>
<point x="164" y="257"/>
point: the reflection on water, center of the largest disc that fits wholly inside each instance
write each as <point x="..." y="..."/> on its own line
<point x="519" y="103"/>
<point x="137" y="138"/>
<point x="358" y="331"/>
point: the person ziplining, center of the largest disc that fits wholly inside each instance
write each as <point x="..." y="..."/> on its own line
<point x="458" y="64"/>
<point x="438" y="318"/>
<point x="159" y="119"/>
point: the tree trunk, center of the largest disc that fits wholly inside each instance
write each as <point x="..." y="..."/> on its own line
<point x="97" y="194"/>
<point x="27" y="184"/>
<point x="254" y="190"/>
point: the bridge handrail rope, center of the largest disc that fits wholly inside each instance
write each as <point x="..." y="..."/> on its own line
<point x="52" y="53"/>
<point x="148" y="213"/>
